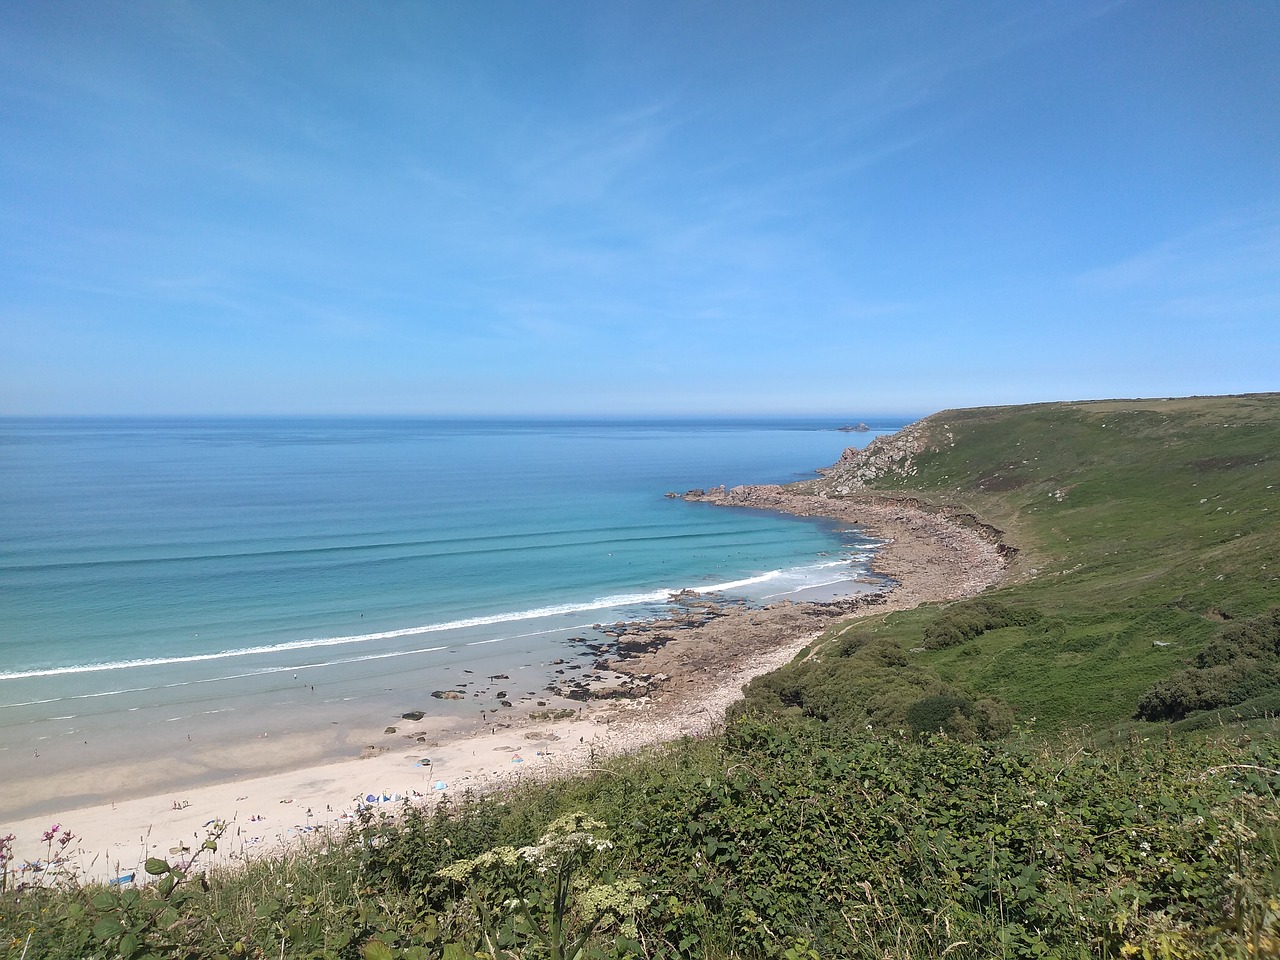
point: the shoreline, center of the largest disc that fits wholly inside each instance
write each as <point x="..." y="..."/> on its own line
<point x="679" y="674"/>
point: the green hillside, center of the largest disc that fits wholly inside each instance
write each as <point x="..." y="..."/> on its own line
<point x="967" y="781"/>
<point x="1145" y="530"/>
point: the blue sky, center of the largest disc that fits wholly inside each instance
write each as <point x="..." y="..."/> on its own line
<point x="634" y="208"/>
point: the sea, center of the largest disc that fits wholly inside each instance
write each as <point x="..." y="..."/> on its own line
<point x="166" y="583"/>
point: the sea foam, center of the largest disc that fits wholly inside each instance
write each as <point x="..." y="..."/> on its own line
<point x="617" y="601"/>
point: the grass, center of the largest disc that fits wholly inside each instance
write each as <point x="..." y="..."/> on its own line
<point x="1142" y="526"/>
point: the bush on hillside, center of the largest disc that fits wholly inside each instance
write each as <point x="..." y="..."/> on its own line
<point x="962" y="622"/>
<point x="958" y="716"/>
<point x="871" y="683"/>
<point x="1241" y="664"/>
<point x="1257" y="638"/>
<point x="1267" y="705"/>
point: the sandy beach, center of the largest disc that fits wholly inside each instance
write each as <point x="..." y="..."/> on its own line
<point x="678" y="676"/>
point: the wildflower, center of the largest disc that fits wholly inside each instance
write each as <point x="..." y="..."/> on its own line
<point x="462" y="870"/>
<point x="458" y="871"/>
<point x="550" y="888"/>
<point x="619" y="900"/>
<point x="6" y="855"/>
<point x="6" y="848"/>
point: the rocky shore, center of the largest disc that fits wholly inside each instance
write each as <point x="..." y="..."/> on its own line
<point x="681" y="672"/>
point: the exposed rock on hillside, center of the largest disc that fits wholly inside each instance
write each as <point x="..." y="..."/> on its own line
<point x="893" y="455"/>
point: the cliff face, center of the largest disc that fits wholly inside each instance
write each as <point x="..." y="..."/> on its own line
<point x="890" y="456"/>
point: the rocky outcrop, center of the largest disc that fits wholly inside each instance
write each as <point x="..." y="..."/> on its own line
<point x="700" y="639"/>
<point x="893" y="455"/>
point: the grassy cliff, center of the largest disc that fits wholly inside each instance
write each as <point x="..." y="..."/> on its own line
<point x="1147" y="532"/>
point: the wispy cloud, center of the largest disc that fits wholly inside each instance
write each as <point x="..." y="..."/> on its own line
<point x="1234" y="254"/>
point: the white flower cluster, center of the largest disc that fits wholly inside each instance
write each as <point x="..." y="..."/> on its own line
<point x="621" y="899"/>
<point x="569" y="840"/>
<point x="463" y="870"/>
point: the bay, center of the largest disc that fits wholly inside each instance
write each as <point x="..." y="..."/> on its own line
<point x="156" y="573"/>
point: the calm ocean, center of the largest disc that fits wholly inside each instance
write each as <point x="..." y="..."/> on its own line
<point x="157" y="574"/>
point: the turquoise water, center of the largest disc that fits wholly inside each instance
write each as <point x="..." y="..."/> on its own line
<point x="159" y="571"/>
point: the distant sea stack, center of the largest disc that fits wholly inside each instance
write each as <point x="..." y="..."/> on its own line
<point x="856" y="428"/>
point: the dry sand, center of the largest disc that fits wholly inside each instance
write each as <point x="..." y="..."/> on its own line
<point x="689" y="670"/>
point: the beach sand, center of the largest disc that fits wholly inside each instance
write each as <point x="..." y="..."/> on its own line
<point x="685" y="672"/>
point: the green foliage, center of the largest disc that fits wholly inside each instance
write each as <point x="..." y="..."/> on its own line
<point x="546" y="897"/>
<point x="788" y="837"/>
<point x="871" y="684"/>
<point x="798" y="836"/>
<point x="933" y="713"/>
<point x="959" y="717"/>
<point x="1141" y="526"/>
<point x="134" y="924"/>
<point x="1240" y="666"/>
<point x="965" y="621"/>
<point x="408" y="850"/>
<point x="1008" y="844"/>
<point x="1255" y="639"/>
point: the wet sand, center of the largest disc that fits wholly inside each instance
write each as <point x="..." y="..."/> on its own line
<point x="667" y="679"/>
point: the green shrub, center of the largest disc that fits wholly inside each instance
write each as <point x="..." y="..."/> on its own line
<point x="1241" y="664"/>
<point x="786" y="835"/>
<point x="958" y="716"/>
<point x="962" y="622"/>
<point x="934" y="713"/>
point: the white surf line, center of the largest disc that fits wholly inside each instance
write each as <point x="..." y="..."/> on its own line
<point x="601" y="603"/>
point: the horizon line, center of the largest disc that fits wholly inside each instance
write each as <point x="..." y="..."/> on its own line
<point x="530" y="417"/>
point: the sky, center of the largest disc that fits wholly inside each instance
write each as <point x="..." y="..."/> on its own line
<point x="634" y="208"/>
